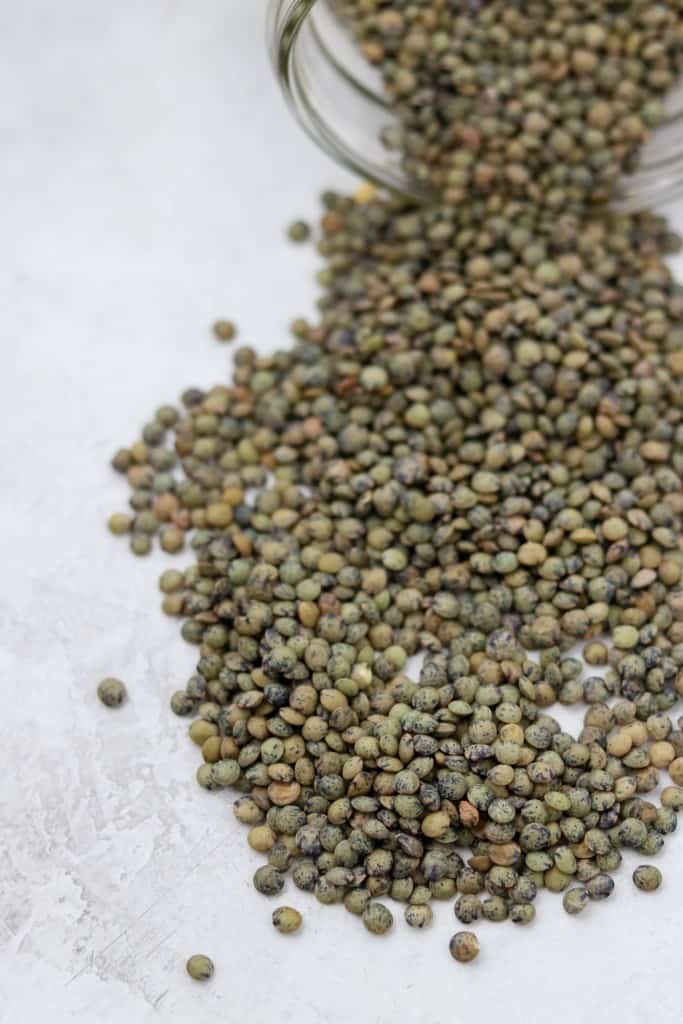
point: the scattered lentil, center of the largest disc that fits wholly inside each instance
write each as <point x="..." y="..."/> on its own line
<point x="299" y="231"/>
<point x="286" y="920"/>
<point x="647" y="878"/>
<point x="112" y="692"/>
<point x="377" y="918"/>
<point x="464" y="947"/>
<point x="200" y="967"/>
<point x="224" y="330"/>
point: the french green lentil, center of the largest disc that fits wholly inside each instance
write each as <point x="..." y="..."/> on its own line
<point x="576" y="900"/>
<point x="419" y="916"/>
<point x="299" y="231"/>
<point x="224" y="330"/>
<point x="377" y="918"/>
<point x="647" y="878"/>
<point x="112" y="692"/>
<point x="464" y="947"/>
<point x="286" y="920"/>
<point x="199" y="967"/>
<point x="268" y="880"/>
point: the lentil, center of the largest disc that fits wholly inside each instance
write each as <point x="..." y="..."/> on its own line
<point x="112" y="692"/>
<point x="647" y="878"/>
<point x="200" y="967"/>
<point x="286" y="920"/>
<point x="464" y="947"/>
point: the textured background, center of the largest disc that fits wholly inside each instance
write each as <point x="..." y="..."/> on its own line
<point x="148" y="169"/>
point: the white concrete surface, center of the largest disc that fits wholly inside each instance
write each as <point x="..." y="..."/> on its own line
<point x="147" y="171"/>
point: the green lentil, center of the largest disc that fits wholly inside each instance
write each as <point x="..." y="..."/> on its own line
<point x="224" y="330"/>
<point x="356" y="901"/>
<point x="464" y="947"/>
<point x="268" y="880"/>
<point x="286" y="920"/>
<point x="112" y="692"/>
<point x="299" y="231"/>
<point x="140" y="544"/>
<point x="600" y="887"/>
<point x="377" y="918"/>
<point x="522" y="913"/>
<point x="575" y="900"/>
<point x="119" y="523"/>
<point x="647" y="878"/>
<point x="199" y="967"/>
<point x="419" y="916"/>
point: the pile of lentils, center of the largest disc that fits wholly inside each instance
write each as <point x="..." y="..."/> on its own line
<point x="550" y="100"/>
<point x="475" y="455"/>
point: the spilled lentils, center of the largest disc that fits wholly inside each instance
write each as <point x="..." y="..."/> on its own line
<point x="475" y="455"/>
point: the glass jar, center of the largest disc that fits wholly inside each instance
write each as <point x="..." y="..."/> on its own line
<point x="338" y="98"/>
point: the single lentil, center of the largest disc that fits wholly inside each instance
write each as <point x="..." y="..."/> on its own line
<point x="287" y="920"/>
<point x="464" y="947"/>
<point x="112" y="692"/>
<point x="224" y="330"/>
<point x="647" y="878"/>
<point x="199" y="967"/>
